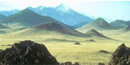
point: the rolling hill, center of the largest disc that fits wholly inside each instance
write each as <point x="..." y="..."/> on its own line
<point x="98" y="24"/>
<point x="52" y="26"/>
<point x="93" y="32"/>
<point x="29" y="18"/>
<point x="62" y="13"/>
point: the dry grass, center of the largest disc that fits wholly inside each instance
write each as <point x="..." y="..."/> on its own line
<point x="64" y="51"/>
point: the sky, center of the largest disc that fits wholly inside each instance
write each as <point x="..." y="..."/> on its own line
<point x="109" y="10"/>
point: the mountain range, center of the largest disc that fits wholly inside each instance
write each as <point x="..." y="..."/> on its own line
<point x="29" y="19"/>
<point x="61" y="13"/>
<point x="7" y="13"/>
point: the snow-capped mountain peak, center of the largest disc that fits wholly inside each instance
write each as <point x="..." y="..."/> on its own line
<point x="64" y="9"/>
<point x="41" y="7"/>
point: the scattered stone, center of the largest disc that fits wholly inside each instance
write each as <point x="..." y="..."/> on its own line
<point x="101" y="64"/>
<point x="121" y="56"/>
<point x="104" y="51"/>
<point x="92" y="40"/>
<point x="77" y="43"/>
<point x="27" y="52"/>
<point x="9" y="45"/>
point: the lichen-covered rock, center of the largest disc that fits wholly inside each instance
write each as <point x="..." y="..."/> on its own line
<point x="27" y="52"/>
<point x="121" y="56"/>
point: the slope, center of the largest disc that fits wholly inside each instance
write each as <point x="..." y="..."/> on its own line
<point x="125" y="29"/>
<point x="2" y="26"/>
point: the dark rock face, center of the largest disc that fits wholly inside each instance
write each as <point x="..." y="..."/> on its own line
<point x="69" y="63"/>
<point x="27" y="52"/>
<point x="121" y="56"/>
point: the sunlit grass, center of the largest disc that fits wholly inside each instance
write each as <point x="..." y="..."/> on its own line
<point x="66" y="50"/>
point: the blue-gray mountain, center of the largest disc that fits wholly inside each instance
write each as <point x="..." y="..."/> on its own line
<point x="29" y="18"/>
<point x="2" y="16"/>
<point x="62" y="13"/>
<point x="7" y="13"/>
<point x="120" y="23"/>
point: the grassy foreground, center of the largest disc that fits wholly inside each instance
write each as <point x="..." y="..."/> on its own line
<point x="63" y="48"/>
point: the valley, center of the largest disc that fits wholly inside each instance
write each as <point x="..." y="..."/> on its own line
<point x="60" y="36"/>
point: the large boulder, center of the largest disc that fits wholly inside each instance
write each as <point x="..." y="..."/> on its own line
<point x="27" y="52"/>
<point x="121" y="56"/>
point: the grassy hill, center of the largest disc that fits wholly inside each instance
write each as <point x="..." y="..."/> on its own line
<point x="53" y="27"/>
<point x="98" y="24"/>
<point x="29" y="18"/>
<point x="95" y="33"/>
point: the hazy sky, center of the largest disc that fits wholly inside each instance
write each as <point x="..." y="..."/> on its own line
<point x="109" y="10"/>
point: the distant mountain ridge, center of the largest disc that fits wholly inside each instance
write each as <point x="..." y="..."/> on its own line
<point x="7" y="13"/>
<point x="120" y="23"/>
<point x="62" y="13"/>
<point x="29" y="19"/>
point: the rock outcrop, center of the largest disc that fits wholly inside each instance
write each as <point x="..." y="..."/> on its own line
<point x="121" y="56"/>
<point x="27" y="52"/>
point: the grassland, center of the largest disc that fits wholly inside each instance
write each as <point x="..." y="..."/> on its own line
<point x="63" y="48"/>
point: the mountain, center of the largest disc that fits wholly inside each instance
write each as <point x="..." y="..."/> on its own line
<point x="79" y="24"/>
<point x="7" y="13"/>
<point x="29" y="18"/>
<point x="2" y="16"/>
<point x="62" y="13"/>
<point x="120" y="23"/>
<point x="93" y="32"/>
<point x="98" y="24"/>
<point x="52" y="26"/>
